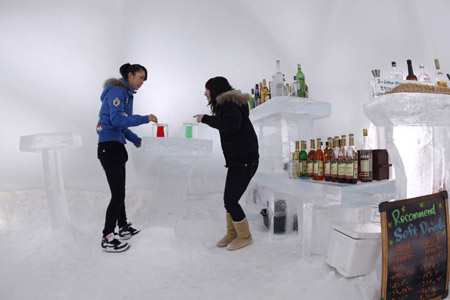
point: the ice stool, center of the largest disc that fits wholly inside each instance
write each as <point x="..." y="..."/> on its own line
<point x="50" y="144"/>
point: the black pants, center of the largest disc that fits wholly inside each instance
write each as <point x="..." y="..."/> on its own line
<point x="113" y="156"/>
<point x="238" y="178"/>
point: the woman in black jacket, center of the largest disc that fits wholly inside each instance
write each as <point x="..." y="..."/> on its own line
<point x="230" y="115"/>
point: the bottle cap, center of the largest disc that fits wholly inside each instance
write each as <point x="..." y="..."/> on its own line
<point x="394" y="64"/>
<point x="299" y="66"/>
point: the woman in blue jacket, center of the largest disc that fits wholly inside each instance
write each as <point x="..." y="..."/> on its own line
<point x="116" y="115"/>
<point x="230" y="115"/>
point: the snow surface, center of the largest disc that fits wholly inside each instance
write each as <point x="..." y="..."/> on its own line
<point x="179" y="262"/>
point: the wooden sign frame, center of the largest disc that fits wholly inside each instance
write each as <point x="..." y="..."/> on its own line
<point x="415" y="248"/>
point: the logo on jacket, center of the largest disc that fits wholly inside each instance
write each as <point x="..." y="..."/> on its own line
<point x="99" y="128"/>
<point x="125" y="114"/>
<point x="116" y="102"/>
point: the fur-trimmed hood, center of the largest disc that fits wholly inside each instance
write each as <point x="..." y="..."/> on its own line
<point x="115" y="83"/>
<point x="234" y="96"/>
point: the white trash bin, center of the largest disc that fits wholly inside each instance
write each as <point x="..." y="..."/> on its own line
<point x="354" y="248"/>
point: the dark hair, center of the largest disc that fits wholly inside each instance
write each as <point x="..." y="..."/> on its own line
<point x="216" y="86"/>
<point x="125" y="69"/>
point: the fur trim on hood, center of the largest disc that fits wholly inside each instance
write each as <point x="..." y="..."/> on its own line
<point x="115" y="83"/>
<point x="234" y="96"/>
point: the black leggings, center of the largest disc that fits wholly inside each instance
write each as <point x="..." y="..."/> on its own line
<point x="238" y="178"/>
<point x="113" y="156"/>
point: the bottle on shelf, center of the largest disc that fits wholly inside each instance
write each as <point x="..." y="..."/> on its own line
<point x="365" y="158"/>
<point x="423" y="76"/>
<point x="301" y="79"/>
<point x="257" y="95"/>
<point x="304" y="161"/>
<point x="265" y="92"/>
<point x="310" y="166"/>
<point x="341" y="159"/>
<point x="295" y="87"/>
<point x="394" y="73"/>
<point x="440" y="78"/>
<point x="334" y="160"/>
<point x="270" y="89"/>
<point x="292" y="166"/>
<point x="252" y="100"/>
<point x="351" y="175"/>
<point x="327" y="155"/>
<point x="319" y="160"/>
<point x="411" y="75"/>
<point x="298" y="163"/>
<point x="277" y="82"/>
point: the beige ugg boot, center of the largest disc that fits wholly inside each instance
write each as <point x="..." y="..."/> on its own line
<point x="231" y="233"/>
<point x="244" y="237"/>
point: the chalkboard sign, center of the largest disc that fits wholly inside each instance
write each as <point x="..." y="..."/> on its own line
<point x="415" y="248"/>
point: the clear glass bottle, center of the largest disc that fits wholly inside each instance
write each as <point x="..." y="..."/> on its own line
<point x="423" y="76"/>
<point x="334" y="160"/>
<point x="411" y="75"/>
<point x="277" y="82"/>
<point x="394" y="73"/>
<point x="301" y="79"/>
<point x="366" y="173"/>
<point x="440" y="78"/>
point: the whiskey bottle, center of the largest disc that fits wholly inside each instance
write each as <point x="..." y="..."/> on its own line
<point x="366" y="160"/>
<point x="304" y="161"/>
<point x="319" y="160"/>
<point x="265" y="92"/>
<point x="440" y="78"/>
<point x="352" y="161"/>
<point x="411" y="75"/>
<point x="328" y="153"/>
<point x="341" y="160"/>
<point x="298" y="163"/>
<point x="334" y="160"/>
<point x="310" y="166"/>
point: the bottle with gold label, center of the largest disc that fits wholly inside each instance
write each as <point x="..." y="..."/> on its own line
<point x="440" y="78"/>
<point x="297" y="162"/>
<point x="327" y="156"/>
<point x="319" y="162"/>
<point x="351" y="175"/>
<point x="341" y="159"/>
<point x="310" y="166"/>
<point x="334" y="160"/>
<point x="265" y="91"/>
<point x="365" y="158"/>
<point x="304" y="161"/>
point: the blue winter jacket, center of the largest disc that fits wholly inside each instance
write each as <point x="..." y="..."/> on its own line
<point x="116" y="113"/>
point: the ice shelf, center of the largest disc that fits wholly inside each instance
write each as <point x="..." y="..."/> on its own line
<point x="163" y="167"/>
<point x="416" y="130"/>
<point x="281" y="121"/>
<point x="50" y="144"/>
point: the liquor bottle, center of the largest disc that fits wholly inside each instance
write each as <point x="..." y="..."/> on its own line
<point x="252" y="100"/>
<point x="352" y="161"/>
<point x="341" y="160"/>
<point x="270" y="90"/>
<point x="301" y="81"/>
<point x="304" y="161"/>
<point x="328" y="153"/>
<point x="278" y="82"/>
<point x="411" y="75"/>
<point x="312" y="151"/>
<point x="292" y="166"/>
<point x="298" y="163"/>
<point x="422" y="75"/>
<point x="365" y="160"/>
<point x="394" y="73"/>
<point x="440" y="78"/>
<point x="296" y="86"/>
<point x="257" y="95"/>
<point x="319" y="162"/>
<point x="265" y="92"/>
<point x="334" y="160"/>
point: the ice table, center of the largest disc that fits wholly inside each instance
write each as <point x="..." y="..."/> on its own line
<point x="50" y="144"/>
<point x="281" y="121"/>
<point x="416" y="131"/>
<point x="164" y="167"/>
<point x="319" y="203"/>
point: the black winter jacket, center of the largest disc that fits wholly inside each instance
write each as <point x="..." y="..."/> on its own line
<point x="237" y="135"/>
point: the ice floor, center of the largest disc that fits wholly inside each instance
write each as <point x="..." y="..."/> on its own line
<point x="180" y="262"/>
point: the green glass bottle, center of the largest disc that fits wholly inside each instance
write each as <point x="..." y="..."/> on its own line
<point x="304" y="160"/>
<point x="301" y="78"/>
